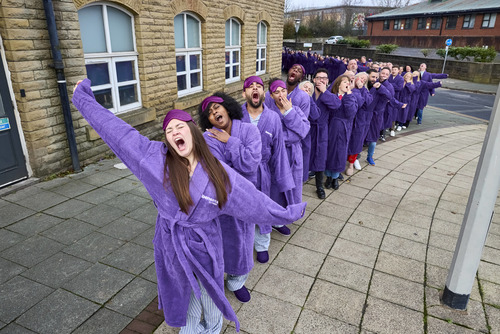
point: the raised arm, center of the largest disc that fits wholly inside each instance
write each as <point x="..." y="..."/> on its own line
<point x="125" y="141"/>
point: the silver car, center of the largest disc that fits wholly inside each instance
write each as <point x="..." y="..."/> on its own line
<point x="333" y="39"/>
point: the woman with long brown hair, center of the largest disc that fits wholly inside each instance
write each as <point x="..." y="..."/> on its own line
<point x="190" y="189"/>
<point x="339" y="130"/>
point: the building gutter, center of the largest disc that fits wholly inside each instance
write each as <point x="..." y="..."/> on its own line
<point x="61" y="82"/>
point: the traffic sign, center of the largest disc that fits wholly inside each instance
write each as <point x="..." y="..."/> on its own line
<point x="448" y="42"/>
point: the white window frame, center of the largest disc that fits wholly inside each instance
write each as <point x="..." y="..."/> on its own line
<point x="230" y="48"/>
<point x="187" y="52"/>
<point x="111" y="58"/>
<point x="469" y="24"/>
<point x="261" y="47"/>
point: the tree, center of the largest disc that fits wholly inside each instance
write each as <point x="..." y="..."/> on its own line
<point x="288" y="6"/>
<point x="393" y="3"/>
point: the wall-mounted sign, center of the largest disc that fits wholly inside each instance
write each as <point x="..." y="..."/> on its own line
<point x="4" y="124"/>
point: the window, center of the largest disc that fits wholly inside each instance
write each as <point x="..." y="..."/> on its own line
<point x="187" y="30"/>
<point x="436" y="23"/>
<point x="387" y="25"/>
<point x="260" y="67"/>
<point x="489" y="20"/>
<point x="421" y="23"/>
<point x="110" y="56"/>
<point x="233" y="50"/>
<point x="451" y="22"/>
<point x="396" y="24"/>
<point x="469" y="21"/>
<point x="408" y="24"/>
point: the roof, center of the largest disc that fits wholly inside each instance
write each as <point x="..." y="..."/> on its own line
<point x="439" y="8"/>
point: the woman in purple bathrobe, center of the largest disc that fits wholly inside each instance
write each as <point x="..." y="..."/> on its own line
<point x="295" y="127"/>
<point x="239" y="145"/>
<point x="405" y="96"/>
<point x="190" y="189"/>
<point x="362" y="120"/>
<point x="339" y="130"/>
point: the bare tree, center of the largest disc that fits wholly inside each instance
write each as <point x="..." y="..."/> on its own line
<point x="393" y="3"/>
<point x="288" y="6"/>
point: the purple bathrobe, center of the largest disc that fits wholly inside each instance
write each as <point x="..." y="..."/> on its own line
<point x="421" y="88"/>
<point x="326" y="102"/>
<point x="187" y="247"/>
<point x="313" y="117"/>
<point x="274" y="170"/>
<point x="425" y="93"/>
<point x="242" y="152"/>
<point x="406" y="97"/>
<point x="381" y="97"/>
<point x="303" y="101"/>
<point x="295" y="128"/>
<point x="339" y="133"/>
<point x="362" y="120"/>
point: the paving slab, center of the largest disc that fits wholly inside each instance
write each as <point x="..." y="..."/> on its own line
<point x="104" y="321"/>
<point x="347" y="274"/>
<point x="62" y="310"/>
<point x="94" y="247"/>
<point x="133" y="298"/>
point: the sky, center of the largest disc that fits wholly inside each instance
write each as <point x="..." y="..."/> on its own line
<point x="299" y="4"/>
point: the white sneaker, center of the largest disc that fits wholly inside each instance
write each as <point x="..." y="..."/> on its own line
<point x="393" y="133"/>
<point x="404" y="127"/>
<point x="357" y="165"/>
<point x="398" y="128"/>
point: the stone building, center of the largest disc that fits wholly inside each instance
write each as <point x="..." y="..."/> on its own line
<point x="144" y="57"/>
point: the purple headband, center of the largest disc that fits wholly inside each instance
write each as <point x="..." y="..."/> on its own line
<point x="302" y="67"/>
<point x="206" y="102"/>
<point x="250" y="80"/>
<point x="176" y="114"/>
<point x="275" y="84"/>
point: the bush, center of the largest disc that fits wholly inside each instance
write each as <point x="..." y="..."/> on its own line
<point x="387" y="48"/>
<point x="425" y="52"/>
<point x="478" y="54"/>
<point x="354" y="42"/>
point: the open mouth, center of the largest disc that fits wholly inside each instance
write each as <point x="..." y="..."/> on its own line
<point x="255" y="97"/>
<point x="218" y="118"/>
<point x="181" y="145"/>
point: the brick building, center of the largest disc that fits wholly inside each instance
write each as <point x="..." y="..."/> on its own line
<point x="430" y="23"/>
<point x="144" y="57"/>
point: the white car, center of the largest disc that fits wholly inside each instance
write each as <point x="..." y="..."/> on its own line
<point x="333" y="39"/>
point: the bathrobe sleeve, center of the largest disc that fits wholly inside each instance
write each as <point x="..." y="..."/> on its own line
<point x="248" y="204"/>
<point x="296" y="122"/>
<point x="125" y="141"/>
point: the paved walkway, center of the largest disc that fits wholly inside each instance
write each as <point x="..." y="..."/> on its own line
<point x="76" y="253"/>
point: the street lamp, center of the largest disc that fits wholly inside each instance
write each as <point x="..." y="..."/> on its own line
<point x="297" y="26"/>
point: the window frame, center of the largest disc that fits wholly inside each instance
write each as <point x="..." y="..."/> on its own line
<point x="261" y="47"/>
<point x="408" y="24"/>
<point x="421" y="23"/>
<point x="187" y="52"/>
<point x="111" y="58"/>
<point x="469" y="19"/>
<point x="386" y="25"/>
<point x="436" y="23"/>
<point x="447" y="26"/>
<point x="491" y="18"/>
<point x="231" y="48"/>
<point x="397" y="24"/>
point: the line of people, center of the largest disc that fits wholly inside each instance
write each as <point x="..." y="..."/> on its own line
<point x="220" y="192"/>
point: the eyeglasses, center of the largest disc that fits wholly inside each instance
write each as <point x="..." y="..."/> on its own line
<point x="321" y="78"/>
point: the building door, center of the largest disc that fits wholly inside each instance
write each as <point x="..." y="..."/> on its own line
<point x="12" y="162"/>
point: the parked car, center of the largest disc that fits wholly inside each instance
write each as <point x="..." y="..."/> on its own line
<point x="333" y="39"/>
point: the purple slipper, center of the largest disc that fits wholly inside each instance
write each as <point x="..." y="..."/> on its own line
<point x="242" y="294"/>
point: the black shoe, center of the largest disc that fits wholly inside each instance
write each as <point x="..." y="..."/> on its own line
<point x="328" y="182"/>
<point x="335" y="184"/>
<point x="321" y="193"/>
<point x="341" y="177"/>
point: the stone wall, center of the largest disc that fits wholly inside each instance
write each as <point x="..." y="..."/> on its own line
<point x="463" y="70"/>
<point x="24" y="32"/>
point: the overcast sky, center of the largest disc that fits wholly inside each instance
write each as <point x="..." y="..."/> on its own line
<point x="299" y="4"/>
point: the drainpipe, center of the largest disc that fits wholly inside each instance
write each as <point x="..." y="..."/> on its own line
<point x="61" y="82"/>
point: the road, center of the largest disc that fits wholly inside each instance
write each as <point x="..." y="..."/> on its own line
<point x="471" y="104"/>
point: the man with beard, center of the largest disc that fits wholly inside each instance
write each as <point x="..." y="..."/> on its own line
<point x="381" y="97"/>
<point x="301" y="100"/>
<point x="352" y="66"/>
<point x="274" y="169"/>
